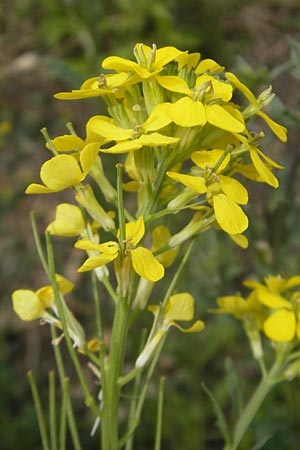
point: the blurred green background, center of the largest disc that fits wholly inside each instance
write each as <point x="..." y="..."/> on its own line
<point x="48" y="46"/>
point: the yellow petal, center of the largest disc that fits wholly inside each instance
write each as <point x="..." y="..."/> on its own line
<point x="221" y="118"/>
<point x="27" y="305"/>
<point x="157" y="119"/>
<point x="123" y="147"/>
<point x="61" y="172"/>
<point x="233" y="304"/>
<point x="67" y="143"/>
<point x="241" y="87"/>
<point x="134" y="231"/>
<point x="234" y="190"/>
<point x="281" y="326"/>
<point x="187" y="112"/>
<point x="220" y="90"/>
<point x="108" y="129"/>
<point x="271" y="299"/>
<point x="156" y="140"/>
<point x="199" y="325"/>
<point x="68" y="221"/>
<point x="291" y="282"/>
<point x="160" y="237"/>
<point x="209" y="158"/>
<point x="88" y="156"/>
<point x="165" y="55"/>
<point x="96" y="261"/>
<point x="279" y="130"/>
<point x="35" y="188"/>
<point x="180" y="307"/>
<point x="146" y="265"/>
<point x="208" y="65"/>
<point x="197" y="184"/>
<point x="240" y="240"/>
<point x="264" y="172"/>
<point x="230" y="217"/>
<point x="174" y="84"/>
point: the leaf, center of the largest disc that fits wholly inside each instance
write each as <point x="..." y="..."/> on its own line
<point x="221" y="420"/>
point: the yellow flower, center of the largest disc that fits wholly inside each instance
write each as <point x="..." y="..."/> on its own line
<point x="69" y="221"/>
<point x="142" y="259"/>
<point x="260" y="168"/>
<point x="64" y="171"/>
<point x="283" y="323"/>
<point x="160" y="237"/>
<point x="30" y="305"/>
<point x="204" y="103"/>
<point x="180" y="307"/>
<point x="110" y="84"/>
<point x="136" y="137"/>
<point x="150" y="61"/>
<point x="257" y="104"/>
<point x="223" y="192"/>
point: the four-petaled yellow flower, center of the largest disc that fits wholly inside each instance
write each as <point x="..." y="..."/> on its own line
<point x="223" y="192"/>
<point x="143" y="261"/>
<point x="283" y="304"/>
<point x="136" y="137"/>
<point x="180" y="307"/>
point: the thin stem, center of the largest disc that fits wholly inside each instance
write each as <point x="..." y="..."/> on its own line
<point x="89" y="399"/>
<point x="121" y="214"/>
<point x="38" y="243"/>
<point x="61" y="372"/>
<point x="63" y="415"/>
<point x="98" y="317"/>
<point x="52" y="411"/>
<point x="131" y="424"/>
<point x="105" y="281"/>
<point x="158" y="432"/>
<point x="39" y="411"/>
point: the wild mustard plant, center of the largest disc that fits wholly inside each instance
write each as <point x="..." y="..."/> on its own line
<point x="185" y="147"/>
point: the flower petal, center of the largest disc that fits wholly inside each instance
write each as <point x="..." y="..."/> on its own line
<point x="187" y="112"/>
<point x="229" y="215"/>
<point x="134" y="231"/>
<point x="68" y="221"/>
<point x="234" y="190"/>
<point x="61" y="172"/>
<point x="264" y="172"/>
<point x="197" y="184"/>
<point x="281" y="326"/>
<point x="220" y="118"/>
<point x="180" y="307"/>
<point x="146" y="265"/>
<point x="27" y="304"/>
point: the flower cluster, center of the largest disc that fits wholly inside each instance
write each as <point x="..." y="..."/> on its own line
<point x="184" y="145"/>
<point x="273" y="305"/>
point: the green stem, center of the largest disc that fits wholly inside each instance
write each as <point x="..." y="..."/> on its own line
<point x="39" y="411"/>
<point x="89" y="399"/>
<point x="121" y="214"/>
<point x="253" y="405"/>
<point x="63" y="415"/>
<point x="61" y="372"/>
<point x="52" y="411"/>
<point x="111" y="390"/>
<point x="38" y="243"/>
<point x="158" y="432"/>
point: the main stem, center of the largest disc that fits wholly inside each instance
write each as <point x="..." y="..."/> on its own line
<point x="111" y="394"/>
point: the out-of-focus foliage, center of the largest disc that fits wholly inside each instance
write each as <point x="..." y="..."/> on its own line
<point x="52" y="45"/>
